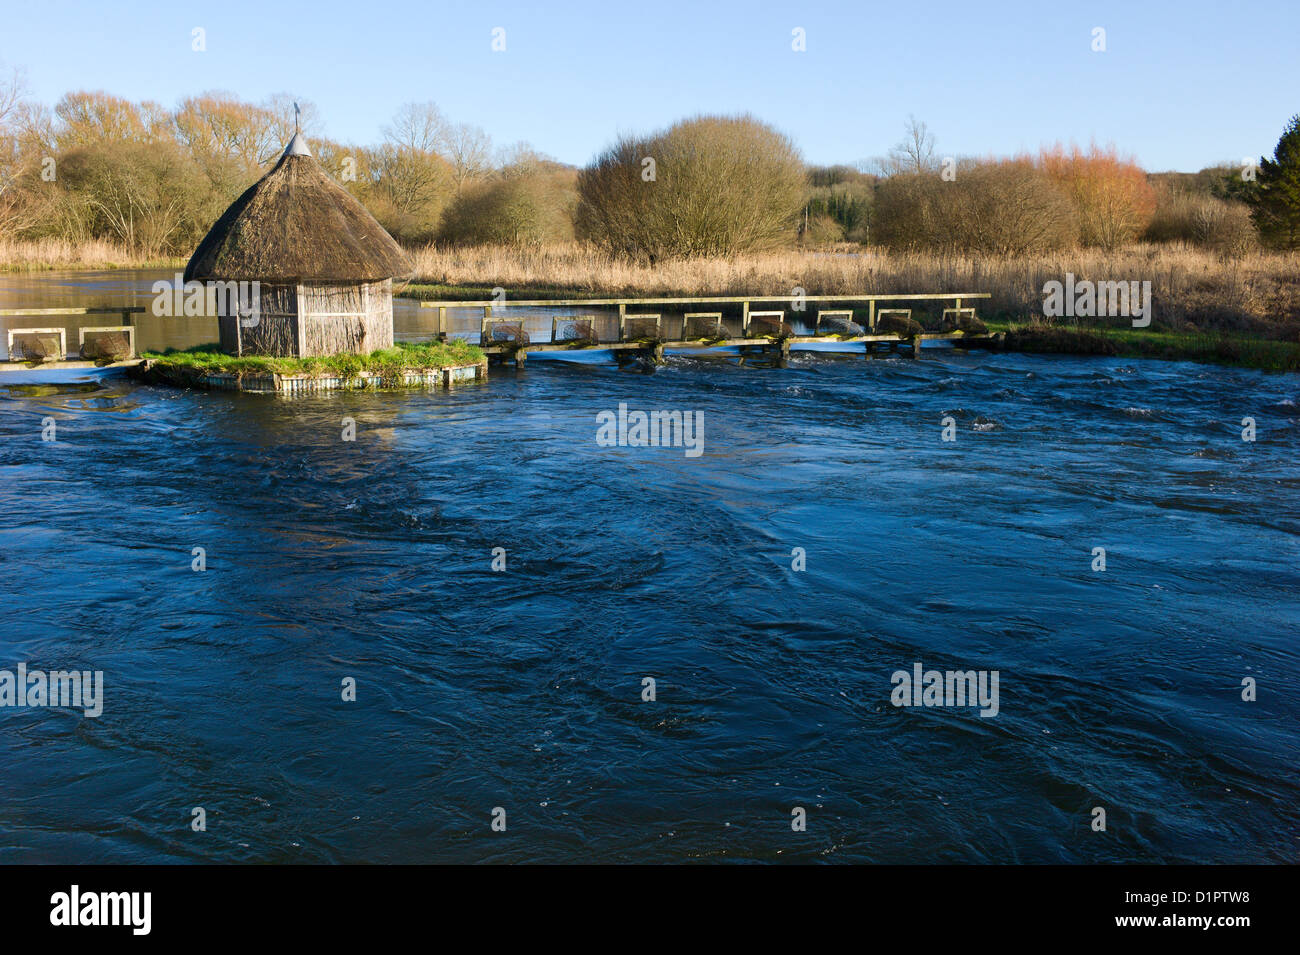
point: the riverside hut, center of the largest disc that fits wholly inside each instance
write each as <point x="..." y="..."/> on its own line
<point x="323" y="265"/>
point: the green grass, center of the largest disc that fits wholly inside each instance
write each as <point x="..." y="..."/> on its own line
<point x="387" y="362"/>
<point x="1210" y="347"/>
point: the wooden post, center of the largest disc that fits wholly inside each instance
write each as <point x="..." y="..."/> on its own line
<point x="871" y="314"/>
<point x="482" y="329"/>
<point x="744" y="319"/>
<point x="302" y="321"/>
<point x="622" y="321"/>
<point x="442" y="323"/>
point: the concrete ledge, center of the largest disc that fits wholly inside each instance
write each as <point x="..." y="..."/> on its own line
<point x="71" y="364"/>
<point x="271" y="383"/>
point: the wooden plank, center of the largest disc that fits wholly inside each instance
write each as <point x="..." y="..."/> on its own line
<point x="98" y="310"/>
<point x="697" y="344"/>
<point x="301" y="321"/>
<point x="577" y="302"/>
<point x="75" y="365"/>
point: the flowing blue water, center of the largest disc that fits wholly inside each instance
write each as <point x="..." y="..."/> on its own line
<point x="522" y="689"/>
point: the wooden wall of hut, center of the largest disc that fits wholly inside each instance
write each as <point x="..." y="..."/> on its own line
<point x="346" y="318"/>
<point x="315" y="318"/>
<point x="276" y="330"/>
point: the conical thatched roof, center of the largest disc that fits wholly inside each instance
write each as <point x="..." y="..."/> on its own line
<point x="297" y="224"/>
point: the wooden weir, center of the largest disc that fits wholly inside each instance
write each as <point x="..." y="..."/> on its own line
<point x="65" y="360"/>
<point x="648" y="333"/>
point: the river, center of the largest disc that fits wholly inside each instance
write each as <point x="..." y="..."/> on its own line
<point x="523" y="689"/>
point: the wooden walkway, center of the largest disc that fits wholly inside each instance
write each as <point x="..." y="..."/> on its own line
<point x="778" y="347"/>
<point x="498" y="328"/>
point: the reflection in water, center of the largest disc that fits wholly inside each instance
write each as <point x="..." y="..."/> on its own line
<point x="44" y="391"/>
<point x="133" y="287"/>
<point x="411" y="322"/>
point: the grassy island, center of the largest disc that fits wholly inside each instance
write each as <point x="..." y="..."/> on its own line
<point x="386" y="363"/>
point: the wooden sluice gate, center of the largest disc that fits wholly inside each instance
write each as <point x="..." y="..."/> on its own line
<point x="49" y="347"/>
<point x="642" y="330"/>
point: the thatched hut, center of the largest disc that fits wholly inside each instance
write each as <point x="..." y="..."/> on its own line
<point x="324" y="266"/>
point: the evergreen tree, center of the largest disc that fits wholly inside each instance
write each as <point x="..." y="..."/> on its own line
<point x="1275" y="198"/>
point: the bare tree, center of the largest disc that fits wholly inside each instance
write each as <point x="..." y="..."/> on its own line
<point x="13" y="87"/>
<point x="469" y="150"/>
<point x="915" y="152"/>
<point x="521" y="159"/>
<point x="418" y="126"/>
<point x="14" y="212"/>
<point x="217" y="124"/>
<point x="285" y="119"/>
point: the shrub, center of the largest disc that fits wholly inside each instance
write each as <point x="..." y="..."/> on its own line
<point x="994" y="207"/>
<point x="523" y="204"/>
<point x="1112" y="198"/>
<point x="715" y="186"/>
<point x="1200" y="219"/>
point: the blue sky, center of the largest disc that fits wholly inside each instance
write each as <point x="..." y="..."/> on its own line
<point x="1181" y="85"/>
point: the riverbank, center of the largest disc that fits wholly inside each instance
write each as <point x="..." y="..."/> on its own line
<point x="1257" y="292"/>
<point x="43" y="255"/>
<point x="1031" y="335"/>
<point x="1241" y="311"/>
<point x="1211" y="348"/>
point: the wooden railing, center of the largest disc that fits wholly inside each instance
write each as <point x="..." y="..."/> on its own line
<point x="622" y="304"/>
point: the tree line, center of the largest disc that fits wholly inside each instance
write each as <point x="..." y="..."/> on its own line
<point x="153" y="180"/>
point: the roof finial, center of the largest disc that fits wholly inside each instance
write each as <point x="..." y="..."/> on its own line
<point x="297" y="145"/>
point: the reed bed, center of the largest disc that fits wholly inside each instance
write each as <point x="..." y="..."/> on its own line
<point x="1256" y="292"/>
<point x="45" y="254"/>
